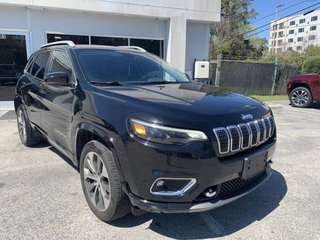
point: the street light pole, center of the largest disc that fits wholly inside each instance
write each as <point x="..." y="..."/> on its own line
<point x="281" y="5"/>
<point x="275" y="28"/>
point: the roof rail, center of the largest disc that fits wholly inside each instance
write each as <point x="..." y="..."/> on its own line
<point x="134" y="47"/>
<point x="68" y="42"/>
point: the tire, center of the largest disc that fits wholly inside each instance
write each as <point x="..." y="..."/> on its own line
<point x="101" y="183"/>
<point x="27" y="135"/>
<point x="300" y="97"/>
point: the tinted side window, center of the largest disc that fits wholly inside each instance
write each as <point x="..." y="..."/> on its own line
<point x="29" y="65"/>
<point x="60" y="63"/>
<point x="39" y="66"/>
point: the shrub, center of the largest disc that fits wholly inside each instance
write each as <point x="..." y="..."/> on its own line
<point x="311" y="65"/>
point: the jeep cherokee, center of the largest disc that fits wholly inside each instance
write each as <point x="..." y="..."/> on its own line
<point x="143" y="136"/>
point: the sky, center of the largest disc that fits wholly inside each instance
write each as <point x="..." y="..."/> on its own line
<point x="264" y="8"/>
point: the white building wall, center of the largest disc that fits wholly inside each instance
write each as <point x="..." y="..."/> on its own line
<point x="197" y="47"/>
<point x="153" y="19"/>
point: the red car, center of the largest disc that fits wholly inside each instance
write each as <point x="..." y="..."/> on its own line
<point x="304" y="89"/>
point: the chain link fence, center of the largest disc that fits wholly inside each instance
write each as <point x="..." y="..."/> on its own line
<point x="252" y="78"/>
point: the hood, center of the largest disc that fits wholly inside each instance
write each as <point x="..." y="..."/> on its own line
<point x="305" y="76"/>
<point x="194" y="101"/>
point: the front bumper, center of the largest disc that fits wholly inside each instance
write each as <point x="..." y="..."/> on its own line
<point x="160" y="207"/>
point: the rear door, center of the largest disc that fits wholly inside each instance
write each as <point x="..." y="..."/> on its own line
<point x="30" y="86"/>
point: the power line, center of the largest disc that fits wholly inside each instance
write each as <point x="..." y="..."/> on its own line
<point x="269" y="24"/>
<point x="266" y="29"/>
<point x="283" y="9"/>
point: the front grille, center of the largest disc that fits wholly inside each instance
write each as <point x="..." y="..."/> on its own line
<point x="237" y="184"/>
<point x="234" y="138"/>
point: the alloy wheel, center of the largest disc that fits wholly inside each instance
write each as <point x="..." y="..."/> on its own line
<point x="96" y="181"/>
<point x="22" y="125"/>
<point x="300" y="97"/>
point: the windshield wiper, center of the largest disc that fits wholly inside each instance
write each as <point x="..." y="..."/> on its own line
<point x="156" y="82"/>
<point x="114" y="83"/>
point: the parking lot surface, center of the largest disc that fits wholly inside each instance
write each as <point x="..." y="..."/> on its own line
<point x="41" y="195"/>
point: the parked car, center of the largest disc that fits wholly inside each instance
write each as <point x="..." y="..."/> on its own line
<point x="144" y="137"/>
<point x="304" y="89"/>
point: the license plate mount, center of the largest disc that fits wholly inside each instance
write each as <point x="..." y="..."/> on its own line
<point x="254" y="164"/>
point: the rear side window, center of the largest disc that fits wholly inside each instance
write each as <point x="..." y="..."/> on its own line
<point x="39" y="67"/>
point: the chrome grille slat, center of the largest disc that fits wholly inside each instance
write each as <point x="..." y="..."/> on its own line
<point x="254" y="133"/>
<point x="235" y="138"/>
<point x="223" y="139"/>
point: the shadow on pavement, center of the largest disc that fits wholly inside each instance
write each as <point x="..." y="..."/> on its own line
<point x="230" y="218"/>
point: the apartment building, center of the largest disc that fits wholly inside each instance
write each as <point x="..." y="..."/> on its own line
<point x="295" y="33"/>
<point x="278" y="35"/>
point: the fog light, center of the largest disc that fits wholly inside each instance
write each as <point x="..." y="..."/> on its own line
<point x="171" y="186"/>
<point x="160" y="183"/>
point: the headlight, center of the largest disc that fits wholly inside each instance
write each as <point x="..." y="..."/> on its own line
<point x="166" y="135"/>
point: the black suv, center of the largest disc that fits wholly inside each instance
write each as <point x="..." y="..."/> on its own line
<point x="143" y="136"/>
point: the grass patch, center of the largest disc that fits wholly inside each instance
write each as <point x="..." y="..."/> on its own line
<point x="270" y="98"/>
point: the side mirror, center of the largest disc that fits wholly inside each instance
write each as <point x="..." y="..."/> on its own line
<point x="57" y="79"/>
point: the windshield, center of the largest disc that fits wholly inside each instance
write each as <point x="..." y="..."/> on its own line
<point x="101" y="65"/>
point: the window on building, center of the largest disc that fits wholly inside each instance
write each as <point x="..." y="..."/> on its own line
<point x="279" y="49"/>
<point x="314" y="18"/>
<point x="281" y="25"/>
<point x="110" y="41"/>
<point x="292" y="23"/>
<point x="280" y="34"/>
<point x="291" y="31"/>
<point x="280" y="42"/>
<point x="271" y="43"/>
<point x="300" y="39"/>
<point x="290" y="40"/>
<point x="289" y="49"/>
<point x="299" y="48"/>
<point x="313" y="28"/>
<point x="312" y="37"/>
<point x="302" y="20"/>
<point x="152" y="46"/>
<point x="77" y="39"/>
<point x="275" y="35"/>
<point x="274" y="27"/>
<point x="300" y="30"/>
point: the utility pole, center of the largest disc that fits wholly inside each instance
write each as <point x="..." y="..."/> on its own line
<point x="274" y="76"/>
<point x="218" y="69"/>
<point x="275" y="28"/>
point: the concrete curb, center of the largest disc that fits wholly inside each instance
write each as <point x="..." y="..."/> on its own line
<point x="275" y="106"/>
<point x="6" y="105"/>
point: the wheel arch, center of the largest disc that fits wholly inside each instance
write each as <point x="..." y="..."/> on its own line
<point x="300" y="84"/>
<point x="87" y="132"/>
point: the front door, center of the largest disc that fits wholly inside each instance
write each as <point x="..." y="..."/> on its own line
<point x="57" y="116"/>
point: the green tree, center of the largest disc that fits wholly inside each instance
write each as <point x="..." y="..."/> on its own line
<point x="229" y="36"/>
<point x="312" y="50"/>
<point x="311" y="65"/>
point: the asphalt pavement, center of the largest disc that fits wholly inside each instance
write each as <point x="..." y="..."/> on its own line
<point x="41" y="196"/>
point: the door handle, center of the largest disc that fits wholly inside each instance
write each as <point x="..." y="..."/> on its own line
<point x="42" y="92"/>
